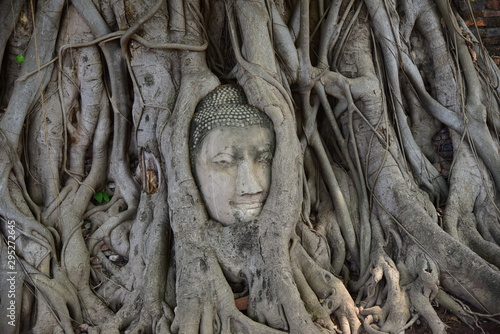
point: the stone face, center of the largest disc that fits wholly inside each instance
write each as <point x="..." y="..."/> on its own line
<point x="231" y="146"/>
<point x="226" y="105"/>
<point x="233" y="171"/>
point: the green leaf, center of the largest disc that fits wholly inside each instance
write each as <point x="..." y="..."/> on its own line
<point x="20" y="59"/>
<point x="98" y="197"/>
<point x="101" y="196"/>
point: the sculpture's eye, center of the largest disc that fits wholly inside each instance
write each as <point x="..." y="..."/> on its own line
<point x="224" y="160"/>
<point x="265" y="157"/>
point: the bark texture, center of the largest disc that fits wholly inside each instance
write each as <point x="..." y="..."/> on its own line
<point x="384" y="199"/>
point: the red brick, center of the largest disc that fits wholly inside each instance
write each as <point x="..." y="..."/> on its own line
<point x="491" y="13"/>
<point x="480" y="23"/>
<point x="493" y="4"/>
<point x="469" y="23"/>
<point x="490" y="41"/>
<point x="467" y="16"/>
<point x="494" y="50"/>
<point x="492" y="22"/>
<point x="477" y="14"/>
<point x="493" y="33"/>
<point x="465" y="5"/>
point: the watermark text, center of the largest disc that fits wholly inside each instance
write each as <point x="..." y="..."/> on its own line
<point x="11" y="273"/>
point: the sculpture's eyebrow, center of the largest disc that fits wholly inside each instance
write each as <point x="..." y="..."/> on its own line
<point x="219" y="154"/>
<point x="224" y="150"/>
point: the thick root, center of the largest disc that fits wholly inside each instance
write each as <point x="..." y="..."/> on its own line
<point x="395" y="311"/>
<point x="323" y="293"/>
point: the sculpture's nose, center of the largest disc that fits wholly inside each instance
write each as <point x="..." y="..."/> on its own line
<point x="247" y="182"/>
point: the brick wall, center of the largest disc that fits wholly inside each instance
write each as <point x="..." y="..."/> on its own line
<point x="487" y="15"/>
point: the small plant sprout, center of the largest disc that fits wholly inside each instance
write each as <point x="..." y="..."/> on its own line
<point x="20" y="58"/>
<point x="101" y="196"/>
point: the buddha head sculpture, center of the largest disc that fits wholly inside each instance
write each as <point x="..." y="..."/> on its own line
<point x="232" y="147"/>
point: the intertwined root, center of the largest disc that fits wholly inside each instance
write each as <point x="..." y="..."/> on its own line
<point x="401" y="282"/>
<point x="395" y="312"/>
<point x="323" y="293"/>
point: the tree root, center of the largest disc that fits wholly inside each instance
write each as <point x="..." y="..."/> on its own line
<point x="26" y="225"/>
<point x="323" y="293"/>
<point x="394" y="313"/>
<point x="139" y="316"/>
<point x="208" y="305"/>
<point x="102" y="233"/>
<point x="449" y="303"/>
<point x="59" y="296"/>
<point x="424" y="288"/>
<point x="289" y="282"/>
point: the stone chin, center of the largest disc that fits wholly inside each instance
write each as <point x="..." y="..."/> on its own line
<point x="240" y="214"/>
<point x="246" y="215"/>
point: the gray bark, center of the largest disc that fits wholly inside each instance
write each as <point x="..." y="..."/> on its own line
<point x="373" y="213"/>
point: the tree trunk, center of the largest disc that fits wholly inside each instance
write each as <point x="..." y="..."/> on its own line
<point x="384" y="183"/>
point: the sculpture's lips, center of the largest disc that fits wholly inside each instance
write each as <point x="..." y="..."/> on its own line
<point x="247" y="205"/>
